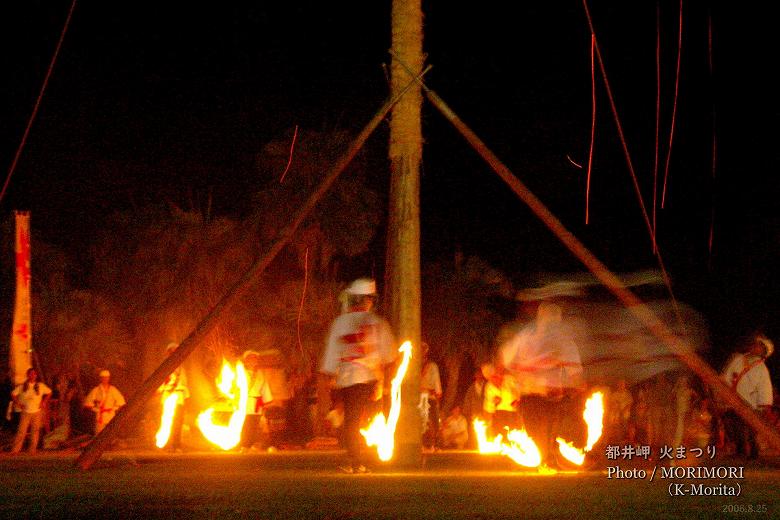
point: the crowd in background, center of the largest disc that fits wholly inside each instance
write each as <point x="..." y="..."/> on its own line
<point x="536" y="381"/>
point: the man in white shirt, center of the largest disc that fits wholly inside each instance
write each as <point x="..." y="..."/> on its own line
<point x="272" y="365"/>
<point x="104" y="400"/>
<point x="747" y="374"/>
<point x="359" y="347"/>
<point x="260" y="396"/>
<point x="31" y="398"/>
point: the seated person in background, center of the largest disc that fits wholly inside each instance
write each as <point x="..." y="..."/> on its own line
<point x="501" y="400"/>
<point x="455" y="430"/>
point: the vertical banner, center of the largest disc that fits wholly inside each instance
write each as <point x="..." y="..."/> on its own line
<point x="21" y="333"/>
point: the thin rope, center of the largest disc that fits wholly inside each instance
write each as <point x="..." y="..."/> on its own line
<point x="657" y="116"/>
<point x="37" y="102"/>
<point x="289" y="161"/>
<point x="592" y="124"/>
<point x="637" y="190"/>
<point x="674" y="108"/>
<point x="303" y="297"/>
<point x="714" y="139"/>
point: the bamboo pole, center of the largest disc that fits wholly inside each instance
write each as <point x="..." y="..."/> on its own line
<point x="136" y="403"/>
<point x="643" y="313"/>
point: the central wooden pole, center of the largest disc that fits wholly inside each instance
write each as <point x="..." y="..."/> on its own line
<point x="403" y="248"/>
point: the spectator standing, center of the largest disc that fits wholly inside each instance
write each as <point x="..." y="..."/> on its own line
<point x="747" y="374"/>
<point x="619" y="403"/>
<point x="273" y="370"/>
<point x="259" y="397"/>
<point x="430" y="399"/>
<point x="176" y="383"/>
<point x="104" y="400"/>
<point x="31" y="398"/>
<point x="684" y="398"/>
<point x="66" y="391"/>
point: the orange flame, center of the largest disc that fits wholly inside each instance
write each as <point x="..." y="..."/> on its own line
<point x="570" y="453"/>
<point x="594" y="418"/>
<point x="227" y="437"/>
<point x="520" y="447"/>
<point x="381" y="431"/>
<point x="484" y="445"/>
<point x="168" y="410"/>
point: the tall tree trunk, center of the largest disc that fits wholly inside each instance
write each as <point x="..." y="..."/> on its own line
<point x="403" y="252"/>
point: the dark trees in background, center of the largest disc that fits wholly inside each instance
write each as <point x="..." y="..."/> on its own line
<point x="460" y="318"/>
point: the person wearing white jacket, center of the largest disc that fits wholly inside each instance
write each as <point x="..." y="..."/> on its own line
<point x="359" y="347"/>
<point x="104" y="400"/>
<point x="746" y="373"/>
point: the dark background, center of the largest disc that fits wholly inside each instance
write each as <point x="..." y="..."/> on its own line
<point x="153" y="101"/>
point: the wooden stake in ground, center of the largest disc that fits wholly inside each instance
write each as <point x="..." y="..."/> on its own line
<point x="130" y="412"/>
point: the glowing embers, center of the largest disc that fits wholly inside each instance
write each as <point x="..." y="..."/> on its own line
<point x="522" y="449"/>
<point x="594" y="418"/>
<point x="168" y="410"/>
<point x="381" y="431"/>
<point x="234" y="385"/>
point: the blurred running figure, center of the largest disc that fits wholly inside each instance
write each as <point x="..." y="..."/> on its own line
<point x="545" y="362"/>
<point x="747" y="374"/>
<point x="360" y="345"/>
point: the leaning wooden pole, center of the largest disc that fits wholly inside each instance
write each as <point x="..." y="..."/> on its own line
<point x="642" y="312"/>
<point x="135" y="405"/>
<point x="403" y="242"/>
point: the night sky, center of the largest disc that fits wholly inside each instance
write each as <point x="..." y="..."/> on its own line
<point x="154" y="101"/>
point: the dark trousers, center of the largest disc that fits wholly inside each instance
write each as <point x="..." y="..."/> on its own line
<point x="505" y="420"/>
<point x="356" y="400"/>
<point x="431" y="436"/>
<point x="546" y="418"/>
<point x="742" y="434"/>
<point x="174" y="441"/>
<point x="252" y="431"/>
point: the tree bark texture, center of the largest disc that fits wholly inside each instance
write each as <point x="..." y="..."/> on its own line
<point x="403" y="253"/>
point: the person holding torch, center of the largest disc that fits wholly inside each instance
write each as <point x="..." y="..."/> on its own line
<point x="359" y="347"/>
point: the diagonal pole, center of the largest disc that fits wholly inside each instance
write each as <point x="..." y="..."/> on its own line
<point x="641" y="311"/>
<point x="135" y="405"/>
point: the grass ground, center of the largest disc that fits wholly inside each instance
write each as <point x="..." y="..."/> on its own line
<point x="132" y="484"/>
